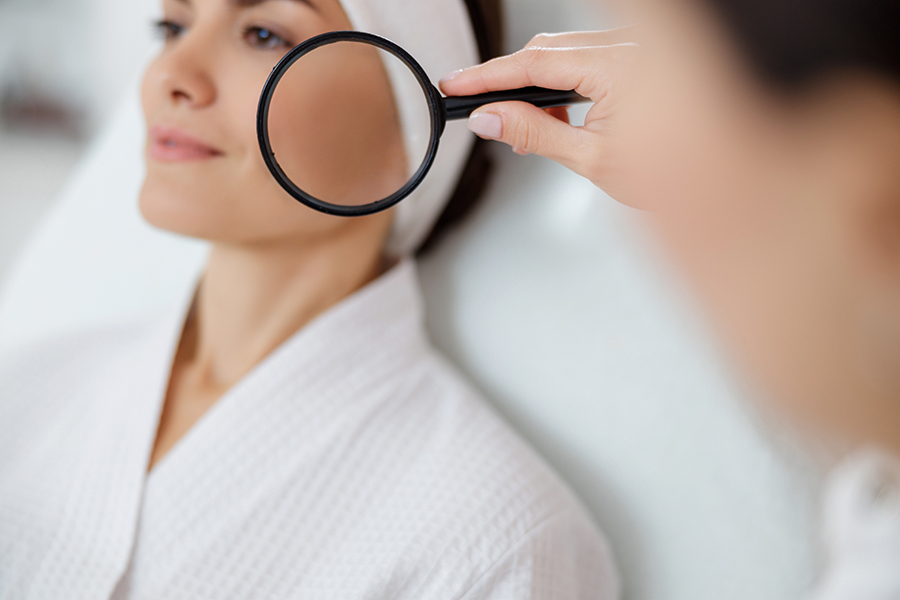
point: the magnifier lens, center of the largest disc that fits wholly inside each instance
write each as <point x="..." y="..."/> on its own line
<point x="349" y="124"/>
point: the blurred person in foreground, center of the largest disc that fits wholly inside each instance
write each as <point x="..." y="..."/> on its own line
<point x="288" y="430"/>
<point x="763" y="139"/>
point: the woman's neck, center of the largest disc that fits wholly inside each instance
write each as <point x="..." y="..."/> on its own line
<point x="253" y="298"/>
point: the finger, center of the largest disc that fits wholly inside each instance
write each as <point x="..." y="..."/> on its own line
<point x="581" y="69"/>
<point x="530" y="130"/>
<point x="621" y="35"/>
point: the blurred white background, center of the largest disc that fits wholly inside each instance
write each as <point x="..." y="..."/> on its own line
<point x="64" y="65"/>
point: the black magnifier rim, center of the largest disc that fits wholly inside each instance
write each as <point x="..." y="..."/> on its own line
<point x="262" y="122"/>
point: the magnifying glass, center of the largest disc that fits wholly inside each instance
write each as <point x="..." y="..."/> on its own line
<point x="349" y="123"/>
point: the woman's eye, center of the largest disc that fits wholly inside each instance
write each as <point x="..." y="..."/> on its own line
<point x="167" y="30"/>
<point x="265" y="39"/>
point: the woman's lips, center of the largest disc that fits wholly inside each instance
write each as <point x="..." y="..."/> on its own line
<point x="169" y="144"/>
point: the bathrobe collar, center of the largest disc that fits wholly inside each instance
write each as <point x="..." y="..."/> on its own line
<point x="333" y="371"/>
<point x="336" y="360"/>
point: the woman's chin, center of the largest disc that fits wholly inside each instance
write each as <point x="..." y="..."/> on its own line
<point x="217" y="216"/>
<point x="180" y="213"/>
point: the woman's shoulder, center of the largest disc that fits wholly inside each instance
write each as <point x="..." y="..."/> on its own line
<point x="463" y="425"/>
<point x="491" y="499"/>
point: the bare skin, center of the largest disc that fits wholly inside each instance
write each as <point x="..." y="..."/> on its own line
<point x="247" y="305"/>
<point x="274" y="265"/>
<point x="783" y="211"/>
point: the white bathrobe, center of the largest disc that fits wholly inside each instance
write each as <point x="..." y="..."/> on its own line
<point x="351" y="463"/>
<point x="862" y="529"/>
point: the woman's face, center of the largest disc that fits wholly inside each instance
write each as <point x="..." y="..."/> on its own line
<point x="205" y="174"/>
<point x="778" y="209"/>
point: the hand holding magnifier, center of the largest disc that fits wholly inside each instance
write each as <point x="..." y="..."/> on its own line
<point x="366" y="137"/>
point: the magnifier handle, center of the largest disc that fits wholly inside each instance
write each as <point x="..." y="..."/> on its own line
<point x="460" y="107"/>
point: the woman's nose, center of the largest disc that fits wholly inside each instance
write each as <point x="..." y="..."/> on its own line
<point x="185" y="74"/>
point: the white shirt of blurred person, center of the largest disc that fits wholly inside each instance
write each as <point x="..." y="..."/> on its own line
<point x="764" y="140"/>
<point x="303" y="438"/>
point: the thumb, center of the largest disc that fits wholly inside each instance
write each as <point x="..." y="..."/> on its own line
<point x="529" y="130"/>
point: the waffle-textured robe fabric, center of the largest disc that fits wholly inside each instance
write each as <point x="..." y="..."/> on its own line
<point x="352" y="463"/>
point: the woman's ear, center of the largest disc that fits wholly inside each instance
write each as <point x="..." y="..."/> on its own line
<point x="877" y="140"/>
<point x="853" y="122"/>
<point x="858" y="118"/>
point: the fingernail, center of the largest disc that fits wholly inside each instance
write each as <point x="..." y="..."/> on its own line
<point x="450" y="76"/>
<point x="486" y="125"/>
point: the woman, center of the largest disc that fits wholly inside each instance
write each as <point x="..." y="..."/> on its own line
<point x="289" y="432"/>
<point x="765" y="138"/>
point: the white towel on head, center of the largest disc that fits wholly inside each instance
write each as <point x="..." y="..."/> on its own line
<point x="439" y="35"/>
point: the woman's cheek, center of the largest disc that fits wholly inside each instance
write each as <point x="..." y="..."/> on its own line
<point x="245" y="89"/>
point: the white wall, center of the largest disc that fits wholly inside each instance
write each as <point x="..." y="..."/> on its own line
<point x="122" y="43"/>
<point x="85" y="52"/>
